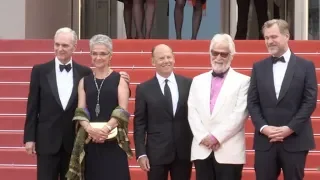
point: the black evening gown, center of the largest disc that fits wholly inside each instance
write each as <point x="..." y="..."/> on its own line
<point x="106" y="161"/>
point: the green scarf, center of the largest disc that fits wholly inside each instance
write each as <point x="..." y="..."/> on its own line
<point x="76" y="165"/>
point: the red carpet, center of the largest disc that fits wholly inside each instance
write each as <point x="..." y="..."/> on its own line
<point x="133" y="56"/>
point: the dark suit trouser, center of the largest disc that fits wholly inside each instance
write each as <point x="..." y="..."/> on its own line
<point x="210" y="169"/>
<point x="178" y="169"/>
<point x="268" y="164"/>
<point x="53" y="166"/>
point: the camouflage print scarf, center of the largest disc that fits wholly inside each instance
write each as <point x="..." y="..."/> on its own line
<point x="76" y="165"/>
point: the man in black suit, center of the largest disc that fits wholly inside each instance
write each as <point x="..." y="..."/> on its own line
<point x="281" y="98"/>
<point x="53" y="97"/>
<point x="162" y="133"/>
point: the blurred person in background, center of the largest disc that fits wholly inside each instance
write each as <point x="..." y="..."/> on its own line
<point x="141" y="13"/>
<point x="261" y="7"/>
<point x="196" y="18"/>
<point x="128" y="17"/>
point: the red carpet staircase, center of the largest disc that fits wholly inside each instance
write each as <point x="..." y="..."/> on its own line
<point x="18" y="56"/>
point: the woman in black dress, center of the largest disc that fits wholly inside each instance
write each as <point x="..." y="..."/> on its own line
<point x="103" y="97"/>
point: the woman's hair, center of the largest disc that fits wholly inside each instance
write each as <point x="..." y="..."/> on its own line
<point x="101" y="39"/>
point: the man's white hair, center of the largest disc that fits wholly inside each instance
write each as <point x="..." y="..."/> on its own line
<point x="67" y="30"/>
<point x="223" y="38"/>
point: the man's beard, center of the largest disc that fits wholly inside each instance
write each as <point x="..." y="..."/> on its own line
<point x="220" y="68"/>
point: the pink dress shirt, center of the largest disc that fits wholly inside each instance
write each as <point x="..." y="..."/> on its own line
<point x="216" y="84"/>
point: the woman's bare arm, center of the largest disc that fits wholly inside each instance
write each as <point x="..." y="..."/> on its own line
<point x="123" y="98"/>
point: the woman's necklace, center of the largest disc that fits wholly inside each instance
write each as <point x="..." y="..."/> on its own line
<point x="97" y="109"/>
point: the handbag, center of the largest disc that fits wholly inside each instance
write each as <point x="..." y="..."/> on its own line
<point x="100" y="125"/>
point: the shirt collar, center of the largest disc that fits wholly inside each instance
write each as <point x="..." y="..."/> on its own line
<point x="161" y="79"/>
<point x="59" y="62"/>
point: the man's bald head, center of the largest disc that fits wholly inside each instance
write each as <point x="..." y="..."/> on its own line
<point x="161" y="48"/>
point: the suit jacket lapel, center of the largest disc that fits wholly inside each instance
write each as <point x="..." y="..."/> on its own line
<point x="181" y="90"/>
<point x="76" y="79"/>
<point x="205" y="88"/>
<point x="287" y="77"/>
<point x="223" y="92"/>
<point x="53" y="84"/>
<point x="268" y="71"/>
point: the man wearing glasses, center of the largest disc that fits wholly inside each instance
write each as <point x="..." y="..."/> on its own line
<point x="217" y="112"/>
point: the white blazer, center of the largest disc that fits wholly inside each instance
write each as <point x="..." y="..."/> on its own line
<point x="227" y="120"/>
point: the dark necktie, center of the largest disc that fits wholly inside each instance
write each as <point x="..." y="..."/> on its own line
<point x="167" y="95"/>
<point x="278" y="59"/>
<point x="66" y="67"/>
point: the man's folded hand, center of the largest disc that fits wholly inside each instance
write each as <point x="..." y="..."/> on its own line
<point x="210" y="142"/>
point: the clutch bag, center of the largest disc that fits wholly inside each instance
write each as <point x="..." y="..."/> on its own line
<point x="100" y="125"/>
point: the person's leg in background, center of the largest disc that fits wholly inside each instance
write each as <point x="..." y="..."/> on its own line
<point x="127" y="16"/>
<point x="242" y="24"/>
<point x="178" y="16"/>
<point x="150" y="12"/>
<point x="139" y="13"/>
<point x="262" y="14"/>
<point x="197" y="17"/>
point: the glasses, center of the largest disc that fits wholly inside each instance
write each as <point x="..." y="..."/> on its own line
<point x="222" y="54"/>
<point x="102" y="55"/>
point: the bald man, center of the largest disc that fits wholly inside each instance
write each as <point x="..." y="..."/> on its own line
<point x="162" y="133"/>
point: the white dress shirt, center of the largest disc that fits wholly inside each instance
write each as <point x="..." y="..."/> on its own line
<point x="279" y="70"/>
<point x="64" y="83"/>
<point x="172" y="83"/>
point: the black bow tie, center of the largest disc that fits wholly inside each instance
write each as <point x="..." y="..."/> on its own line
<point x="66" y="67"/>
<point x="278" y="59"/>
<point x="219" y="75"/>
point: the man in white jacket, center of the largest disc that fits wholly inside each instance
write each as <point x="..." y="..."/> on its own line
<point x="217" y="112"/>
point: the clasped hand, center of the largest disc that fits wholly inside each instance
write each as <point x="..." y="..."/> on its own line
<point x="210" y="142"/>
<point x="277" y="134"/>
<point x="98" y="135"/>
